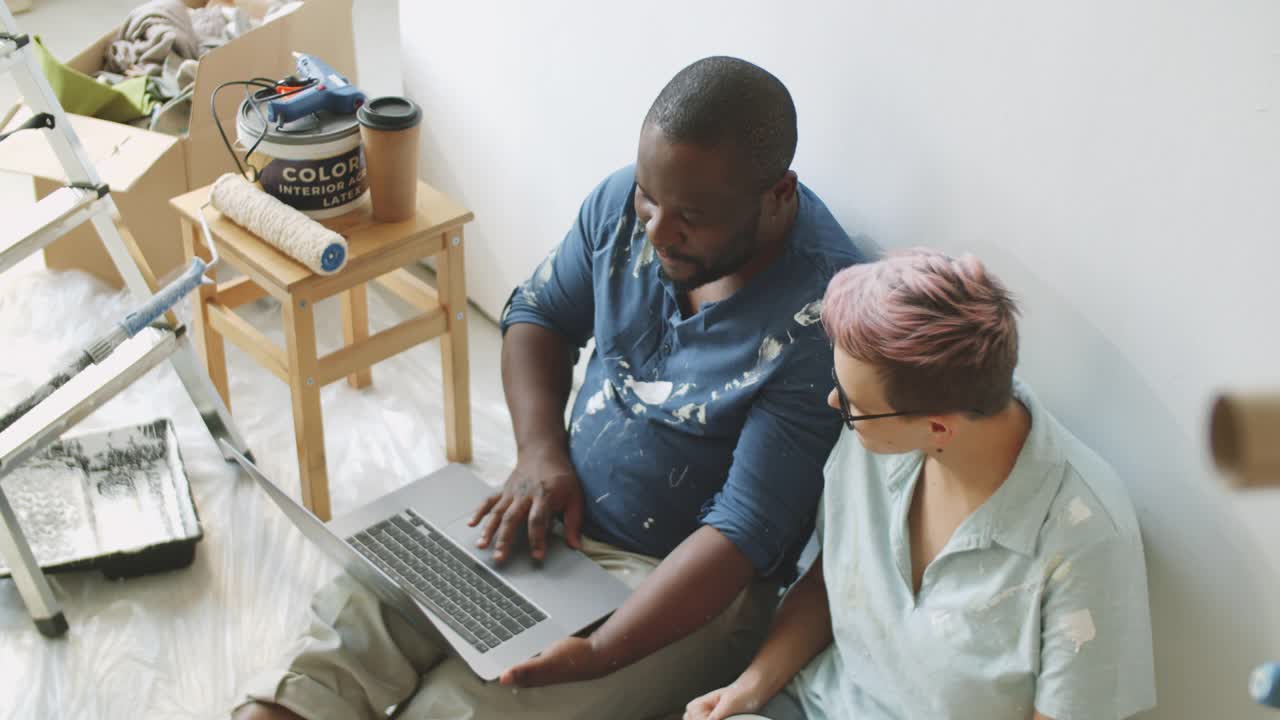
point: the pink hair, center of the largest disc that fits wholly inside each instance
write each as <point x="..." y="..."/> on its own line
<point x="942" y="331"/>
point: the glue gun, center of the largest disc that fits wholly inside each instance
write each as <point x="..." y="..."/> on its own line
<point x="316" y="87"/>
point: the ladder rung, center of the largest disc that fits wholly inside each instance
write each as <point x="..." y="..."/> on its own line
<point x="83" y="394"/>
<point x="11" y="51"/>
<point x="60" y="212"/>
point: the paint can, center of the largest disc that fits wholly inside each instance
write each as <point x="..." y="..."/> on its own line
<point x="315" y="164"/>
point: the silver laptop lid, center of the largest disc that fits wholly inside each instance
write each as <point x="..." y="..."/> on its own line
<point x="352" y="562"/>
<point x="486" y="665"/>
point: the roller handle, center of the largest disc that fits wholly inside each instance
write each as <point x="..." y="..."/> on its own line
<point x="168" y="296"/>
<point x="1264" y="684"/>
<point x="98" y="351"/>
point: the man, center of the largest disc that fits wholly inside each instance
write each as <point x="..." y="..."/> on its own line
<point x="693" y="462"/>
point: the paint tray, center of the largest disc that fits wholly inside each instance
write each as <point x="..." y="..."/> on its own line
<point x="117" y="501"/>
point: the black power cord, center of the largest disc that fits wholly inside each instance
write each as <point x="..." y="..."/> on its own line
<point x="255" y="101"/>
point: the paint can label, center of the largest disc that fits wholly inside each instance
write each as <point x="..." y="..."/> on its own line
<point x="316" y="185"/>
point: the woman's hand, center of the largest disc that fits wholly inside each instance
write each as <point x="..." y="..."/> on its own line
<point x="723" y="703"/>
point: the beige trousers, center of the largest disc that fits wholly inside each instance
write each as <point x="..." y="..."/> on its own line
<point x="359" y="658"/>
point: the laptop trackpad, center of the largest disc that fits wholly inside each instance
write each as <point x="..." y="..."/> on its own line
<point x="572" y="589"/>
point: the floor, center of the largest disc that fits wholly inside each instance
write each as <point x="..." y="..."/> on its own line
<point x="184" y="644"/>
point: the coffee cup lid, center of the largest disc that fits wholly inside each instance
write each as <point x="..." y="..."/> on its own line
<point x="390" y="112"/>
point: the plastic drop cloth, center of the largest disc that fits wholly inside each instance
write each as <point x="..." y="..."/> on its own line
<point x="184" y="644"/>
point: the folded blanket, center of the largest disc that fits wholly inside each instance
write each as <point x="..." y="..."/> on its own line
<point x="149" y="35"/>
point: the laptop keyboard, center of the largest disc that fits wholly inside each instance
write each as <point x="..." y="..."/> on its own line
<point x="470" y="597"/>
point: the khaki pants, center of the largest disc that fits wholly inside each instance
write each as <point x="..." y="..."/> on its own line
<point x="359" y="658"/>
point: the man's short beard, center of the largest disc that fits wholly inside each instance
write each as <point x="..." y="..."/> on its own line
<point x="743" y="250"/>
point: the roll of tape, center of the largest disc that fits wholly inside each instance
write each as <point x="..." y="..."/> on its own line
<point x="1244" y="436"/>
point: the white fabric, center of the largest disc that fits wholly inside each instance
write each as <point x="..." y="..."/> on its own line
<point x="184" y="644"/>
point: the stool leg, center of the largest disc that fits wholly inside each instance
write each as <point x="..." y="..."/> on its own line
<point x="304" y="388"/>
<point x="452" y="289"/>
<point x="355" y="327"/>
<point x="212" y="348"/>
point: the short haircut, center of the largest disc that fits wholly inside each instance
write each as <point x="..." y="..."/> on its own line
<point x="942" y="331"/>
<point x="726" y="100"/>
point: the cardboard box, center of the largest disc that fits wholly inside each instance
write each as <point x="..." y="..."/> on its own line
<point x="143" y="168"/>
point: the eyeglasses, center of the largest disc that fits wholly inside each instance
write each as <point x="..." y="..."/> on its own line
<point x="847" y="415"/>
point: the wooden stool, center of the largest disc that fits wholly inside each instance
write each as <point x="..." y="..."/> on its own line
<point x="376" y="251"/>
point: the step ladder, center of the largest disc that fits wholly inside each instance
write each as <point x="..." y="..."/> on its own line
<point x="84" y="199"/>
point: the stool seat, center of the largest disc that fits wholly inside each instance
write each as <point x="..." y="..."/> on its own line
<point x="376" y="251"/>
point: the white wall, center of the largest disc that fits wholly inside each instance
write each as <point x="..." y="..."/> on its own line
<point x="1116" y="162"/>
<point x="375" y="23"/>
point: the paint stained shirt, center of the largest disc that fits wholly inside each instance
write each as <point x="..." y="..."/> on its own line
<point x="1037" y="602"/>
<point x="718" y="418"/>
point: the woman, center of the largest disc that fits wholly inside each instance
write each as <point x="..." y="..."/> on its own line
<point x="978" y="561"/>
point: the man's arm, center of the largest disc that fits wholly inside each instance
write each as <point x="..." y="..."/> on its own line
<point x="692" y="585"/>
<point x="537" y="375"/>
<point x="764" y="508"/>
<point x="800" y="631"/>
<point x="549" y="316"/>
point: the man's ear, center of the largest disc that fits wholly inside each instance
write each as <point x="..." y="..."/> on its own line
<point x="783" y="190"/>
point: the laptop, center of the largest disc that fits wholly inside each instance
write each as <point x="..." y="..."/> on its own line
<point x="414" y="550"/>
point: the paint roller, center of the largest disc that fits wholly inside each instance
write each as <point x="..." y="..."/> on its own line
<point x="1244" y="436"/>
<point x="1243" y="430"/>
<point x="281" y="226"/>
<point x="1264" y="685"/>
<point x="295" y="234"/>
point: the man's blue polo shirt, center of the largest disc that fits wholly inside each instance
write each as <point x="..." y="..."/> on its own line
<point x="719" y="418"/>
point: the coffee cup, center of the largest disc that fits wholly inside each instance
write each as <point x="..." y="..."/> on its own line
<point x="390" y="128"/>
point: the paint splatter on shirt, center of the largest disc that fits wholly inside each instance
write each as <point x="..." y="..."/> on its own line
<point x="1038" y="600"/>
<point x="718" y="418"/>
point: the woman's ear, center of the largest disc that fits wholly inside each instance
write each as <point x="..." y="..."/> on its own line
<point x="940" y="433"/>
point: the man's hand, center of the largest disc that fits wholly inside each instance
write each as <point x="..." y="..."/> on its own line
<point x="573" y="659"/>
<point x="722" y="703"/>
<point x="542" y="485"/>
